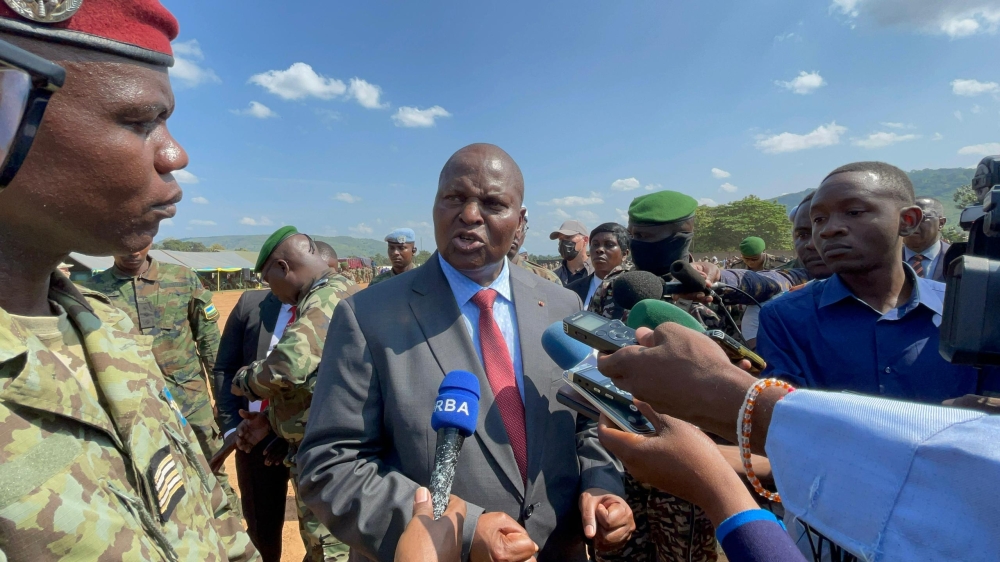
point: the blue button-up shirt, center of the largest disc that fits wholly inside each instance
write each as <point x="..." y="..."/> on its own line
<point x="503" y="312"/>
<point x="824" y="337"/>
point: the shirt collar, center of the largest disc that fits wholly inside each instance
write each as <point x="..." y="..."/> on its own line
<point x="464" y="288"/>
<point x="929" y="253"/>
<point x="835" y="290"/>
<point x="152" y="272"/>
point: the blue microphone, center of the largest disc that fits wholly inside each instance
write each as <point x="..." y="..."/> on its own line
<point x="562" y="349"/>
<point x="456" y="413"/>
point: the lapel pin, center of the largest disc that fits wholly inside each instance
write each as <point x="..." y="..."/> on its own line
<point x="540" y="303"/>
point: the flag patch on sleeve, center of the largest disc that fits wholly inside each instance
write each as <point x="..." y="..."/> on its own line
<point x="211" y="313"/>
<point x="166" y="480"/>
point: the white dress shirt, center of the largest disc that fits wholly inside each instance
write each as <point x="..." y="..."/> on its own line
<point x="889" y="480"/>
<point x="503" y="312"/>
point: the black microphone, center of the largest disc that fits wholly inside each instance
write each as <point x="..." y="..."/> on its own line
<point x="456" y="413"/>
<point x="631" y="287"/>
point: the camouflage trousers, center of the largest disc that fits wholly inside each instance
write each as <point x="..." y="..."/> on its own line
<point x="321" y="546"/>
<point x="667" y="529"/>
<point x="195" y="403"/>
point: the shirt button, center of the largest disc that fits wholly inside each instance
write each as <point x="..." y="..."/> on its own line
<point x="888" y="369"/>
<point x="881" y="389"/>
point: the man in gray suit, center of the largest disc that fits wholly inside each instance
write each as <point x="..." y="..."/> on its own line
<point x="924" y="249"/>
<point x="531" y="465"/>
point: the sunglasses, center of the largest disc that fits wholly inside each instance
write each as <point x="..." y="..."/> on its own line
<point x="27" y="82"/>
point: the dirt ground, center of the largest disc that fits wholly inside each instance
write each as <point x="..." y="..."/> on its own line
<point x="292" y="549"/>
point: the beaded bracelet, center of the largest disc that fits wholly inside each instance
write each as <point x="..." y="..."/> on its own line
<point x="743" y="427"/>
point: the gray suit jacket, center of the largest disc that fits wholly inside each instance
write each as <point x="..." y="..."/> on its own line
<point x="369" y="442"/>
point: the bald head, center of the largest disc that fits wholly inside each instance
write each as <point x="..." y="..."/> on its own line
<point x="930" y="206"/>
<point x="327" y="252"/>
<point x="484" y="161"/>
<point x="293" y="267"/>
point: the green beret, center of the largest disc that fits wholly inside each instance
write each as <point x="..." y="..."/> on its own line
<point x="661" y="207"/>
<point x="271" y="243"/>
<point x="752" y="246"/>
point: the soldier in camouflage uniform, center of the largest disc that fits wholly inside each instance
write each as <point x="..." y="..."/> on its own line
<point x="522" y="261"/>
<point x="753" y="256"/>
<point x="297" y="275"/>
<point x="402" y="248"/>
<point x="668" y="528"/>
<point x="168" y="302"/>
<point x="96" y="461"/>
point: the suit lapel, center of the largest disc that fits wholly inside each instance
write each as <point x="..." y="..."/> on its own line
<point x="270" y="307"/>
<point x="434" y="307"/>
<point x="532" y="320"/>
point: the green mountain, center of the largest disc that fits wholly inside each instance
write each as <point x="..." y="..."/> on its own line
<point x="940" y="184"/>
<point x="346" y="246"/>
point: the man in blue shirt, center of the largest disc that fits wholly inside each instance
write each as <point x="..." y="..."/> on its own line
<point x="873" y="326"/>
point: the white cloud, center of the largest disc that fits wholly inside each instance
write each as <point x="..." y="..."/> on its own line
<point x="362" y="228"/>
<point x="627" y="184"/>
<point x="250" y="221"/>
<point x="622" y="214"/>
<point x="184" y="176"/>
<point x="200" y="200"/>
<point x="728" y="187"/>
<point x="804" y="83"/>
<point x="955" y="18"/>
<point x="256" y="109"/>
<point x="413" y="117"/>
<point x="707" y="201"/>
<point x="896" y="125"/>
<point x="881" y="139"/>
<point x="574" y="201"/>
<point x="587" y="216"/>
<point x="561" y="214"/>
<point x="970" y="88"/>
<point x="824" y="135"/>
<point x="346" y="198"/>
<point x="167" y="222"/>
<point x="366" y="94"/>
<point x="976" y="109"/>
<point x="653" y="186"/>
<point x="720" y="174"/>
<point x="937" y="137"/>
<point x="187" y="55"/>
<point x="985" y="149"/>
<point x="327" y="115"/>
<point x="299" y="81"/>
<point x="958" y="115"/>
<point x="197" y="222"/>
<point x="790" y="36"/>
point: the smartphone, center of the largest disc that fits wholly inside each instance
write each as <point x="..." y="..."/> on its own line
<point x="626" y="417"/>
<point x="598" y="332"/>
<point x="590" y="379"/>
<point x="571" y="398"/>
<point x="737" y="351"/>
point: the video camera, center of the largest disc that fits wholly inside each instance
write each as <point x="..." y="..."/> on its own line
<point x="970" y="327"/>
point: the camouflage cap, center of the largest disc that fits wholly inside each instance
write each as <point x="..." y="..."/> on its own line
<point x="661" y="207"/>
<point x="752" y="246"/>
<point x="271" y="243"/>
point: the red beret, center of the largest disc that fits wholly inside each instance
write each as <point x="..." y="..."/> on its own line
<point x="137" y="29"/>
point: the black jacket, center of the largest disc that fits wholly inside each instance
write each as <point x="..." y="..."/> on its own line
<point x="581" y="286"/>
<point x="245" y="339"/>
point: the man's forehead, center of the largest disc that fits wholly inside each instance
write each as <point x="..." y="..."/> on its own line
<point x="848" y="186"/>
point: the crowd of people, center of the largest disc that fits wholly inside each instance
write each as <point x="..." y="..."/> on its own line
<point x="112" y="449"/>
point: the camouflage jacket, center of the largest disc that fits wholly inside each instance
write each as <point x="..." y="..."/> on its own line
<point x="770" y="262"/>
<point x="538" y="270"/>
<point x="603" y="303"/>
<point x="287" y="376"/>
<point x="382" y="277"/>
<point x="119" y="479"/>
<point x="761" y="285"/>
<point x="169" y="303"/>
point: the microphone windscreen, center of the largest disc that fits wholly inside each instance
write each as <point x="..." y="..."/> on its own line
<point x="651" y="313"/>
<point x="633" y="286"/>
<point x="562" y="349"/>
<point x="457" y="403"/>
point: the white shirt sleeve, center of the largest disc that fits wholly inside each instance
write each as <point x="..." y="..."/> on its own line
<point x="889" y="480"/>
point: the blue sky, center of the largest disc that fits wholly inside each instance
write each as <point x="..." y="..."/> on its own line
<point x="337" y="117"/>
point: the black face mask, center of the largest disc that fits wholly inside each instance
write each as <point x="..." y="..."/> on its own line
<point x="567" y="249"/>
<point x="656" y="257"/>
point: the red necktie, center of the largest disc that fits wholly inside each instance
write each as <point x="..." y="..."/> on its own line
<point x="917" y="261"/>
<point x="500" y="373"/>
<point x="291" y="320"/>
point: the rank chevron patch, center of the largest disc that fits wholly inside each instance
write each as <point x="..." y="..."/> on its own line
<point x="166" y="481"/>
